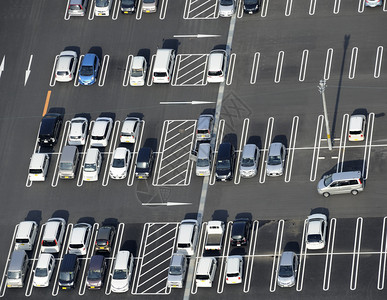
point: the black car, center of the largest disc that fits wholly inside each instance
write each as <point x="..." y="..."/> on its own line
<point x="68" y="271"/>
<point x="105" y="238"/>
<point x="144" y="163"/>
<point x="240" y="232"/>
<point x="225" y="162"/>
<point x="128" y="6"/>
<point x="251" y="6"/>
<point x="50" y="129"/>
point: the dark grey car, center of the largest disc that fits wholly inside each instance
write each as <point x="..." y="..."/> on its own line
<point x="96" y="273"/>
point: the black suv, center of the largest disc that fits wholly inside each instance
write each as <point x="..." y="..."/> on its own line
<point x="144" y="163"/>
<point x="240" y="232"/>
<point x="105" y="238"/>
<point x="50" y="129"/>
<point x="68" y="271"/>
<point x="225" y="162"/>
<point x="251" y="6"/>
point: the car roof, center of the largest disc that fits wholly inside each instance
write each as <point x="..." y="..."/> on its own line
<point x="215" y="60"/>
<point x="24" y="229"/>
<point x="121" y="259"/>
<point x="275" y="149"/>
<point x="177" y="259"/>
<point x="51" y="229"/>
<point x="96" y="262"/>
<point x="204" y="121"/>
<point x="224" y="151"/>
<point x="233" y="263"/>
<point x="104" y="233"/>
<point x="88" y="59"/>
<point x="249" y="150"/>
<point x="144" y="154"/>
<point x="356" y="122"/>
<point x="129" y="123"/>
<point x="100" y="126"/>
<point x="78" y="233"/>
<point x="314" y="223"/>
<point x="68" y="262"/>
<point x="238" y="226"/>
<point x="138" y="62"/>
<point x="37" y="160"/>
<point x="287" y="258"/>
<point x="204" y="150"/>
<point x="204" y="265"/>
<point x="76" y="128"/>
<point x="91" y="155"/>
<point x="44" y="260"/>
<point x="120" y="152"/>
<point x="346" y="175"/>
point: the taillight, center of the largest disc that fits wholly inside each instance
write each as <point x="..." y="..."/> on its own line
<point x="42" y="243"/>
<point x="361" y="135"/>
<point x="107" y="243"/>
<point x="56" y="243"/>
<point x="349" y="135"/>
<point x="226" y="278"/>
<point x="239" y="278"/>
<point x="361" y="180"/>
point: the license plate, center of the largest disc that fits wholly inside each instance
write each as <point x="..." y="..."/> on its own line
<point x="36" y="175"/>
<point x="134" y="83"/>
<point x="125" y="12"/>
<point x="87" y="179"/>
<point x="148" y="11"/>
<point x="174" y="285"/>
<point x="102" y="248"/>
<point x="201" y="174"/>
<point x="9" y="285"/>
<point x="64" y="288"/>
<point x="38" y="285"/>
<point x="140" y="177"/>
<point x="203" y="136"/>
<point x="100" y="14"/>
<point x="67" y="177"/>
<point x="21" y="244"/>
<point x="92" y="287"/>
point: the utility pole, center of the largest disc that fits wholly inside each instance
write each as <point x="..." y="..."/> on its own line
<point x="321" y="88"/>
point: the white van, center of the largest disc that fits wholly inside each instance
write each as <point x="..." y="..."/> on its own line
<point x="53" y="235"/>
<point x="26" y="235"/>
<point x="205" y="272"/>
<point x="122" y="272"/>
<point x="92" y="165"/>
<point x="38" y="167"/>
<point x="187" y="237"/>
<point x="163" y="66"/>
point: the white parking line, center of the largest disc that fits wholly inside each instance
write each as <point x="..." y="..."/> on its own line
<point x="223" y="259"/>
<point x="378" y="60"/>
<point x="158" y="161"/>
<point x="129" y="61"/>
<point x="66" y="15"/>
<point x="356" y="253"/>
<point x="113" y="141"/>
<point x="163" y="10"/>
<point x="382" y="256"/>
<point x="199" y="254"/>
<point x="239" y="9"/>
<point x="139" y="10"/>
<point x="219" y="138"/>
<point x="276" y="255"/>
<point x="292" y="146"/>
<point x="116" y="9"/>
<point x="28" y="181"/>
<point x="316" y="148"/>
<point x="133" y="161"/>
<point x="329" y="254"/>
<point x="301" y="266"/>
<point x="230" y="68"/>
<point x="304" y="62"/>
<point x="278" y="69"/>
<point x="360" y="7"/>
<point x="86" y="147"/>
<point x="254" y="68"/>
<point x="250" y="257"/>
<point x="328" y="64"/>
<point x="103" y="70"/>
<point x="52" y="78"/>
<point x="288" y="9"/>
<point x="149" y="81"/>
<point x="242" y="143"/>
<point x="336" y="7"/>
<point x="368" y="145"/>
<point x="352" y="65"/>
<point x="269" y="133"/>
<point x="91" y="10"/>
<point x="76" y="81"/>
<point x="265" y="5"/>
<point x="189" y="81"/>
<point x="65" y="135"/>
<point x="312" y="7"/>
<point x="343" y="142"/>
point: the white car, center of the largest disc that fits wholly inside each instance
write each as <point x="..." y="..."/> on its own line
<point x="66" y="66"/>
<point x="217" y="63"/>
<point x="227" y="8"/>
<point x="102" y="7"/>
<point x="78" y="131"/>
<point x="234" y="269"/>
<point x="357" y="125"/>
<point x="101" y="132"/>
<point x="130" y="130"/>
<point x="92" y="165"/>
<point x="43" y="270"/>
<point x="79" y="239"/>
<point x="316" y="227"/>
<point x="120" y="163"/>
<point x="138" y="71"/>
<point x="373" y="3"/>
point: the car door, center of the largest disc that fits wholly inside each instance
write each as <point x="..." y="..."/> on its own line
<point x="51" y="267"/>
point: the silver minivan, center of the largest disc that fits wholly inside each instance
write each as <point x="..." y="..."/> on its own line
<point x="177" y="270"/>
<point x="204" y="160"/>
<point x="68" y="162"/>
<point x="341" y="183"/>
<point x="17" y="269"/>
<point x="92" y="165"/>
<point x="149" y="6"/>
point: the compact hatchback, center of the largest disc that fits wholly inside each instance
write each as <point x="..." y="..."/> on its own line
<point x="373" y="3"/>
<point x="53" y="235"/>
<point x="225" y="162"/>
<point x="251" y="6"/>
<point x="204" y="128"/>
<point x="50" y="129"/>
<point x="120" y="163"/>
<point x="138" y="71"/>
<point x="88" y="72"/>
<point x="276" y="160"/>
<point x="79" y="239"/>
<point x="149" y="6"/>
<point x="144" y="163"/>
<point x="102" y="7"/>
<point x="66" y="66"/>
<point x="287" y="269"/>
<point x="227" y="8"/>
<point x="104" y="240"/>
<point x="96" y="272"/>
<point x="234" y="269"/>
<point x="316" y="227"/>
<point x="249" y="161"/>
<point x="177" y="271"/>
<point x="43" y="270"/>
<point x="357" y="125"/>
<point x="92" y="165"/>
<point x="101" y="132"/>
<point x="78" y="131"/>
<point x="128" y="6"/>
<point x="240" y="232"/>
<point x="130" y="130"/>
<point x="217" y="63"/>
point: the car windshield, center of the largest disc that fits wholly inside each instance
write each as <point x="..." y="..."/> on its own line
<point x="202" y="163"/>
<point x="232" y="274"/>
<point x="355" y="132"/>
<point x="223" y="165"/>
<point x="142" y="165"/>
<point x="119" y="274"/>
<point x="62" y="73"/>
<point x="202" y="277"/>
<point x="41" y="272"/>
<point x="328" y="180"/>
<point x="226" y="2"/>
<point x="149" y="1"/>
<point x="175" y="270"/>
<point x="160" y="74"/>
<point x="285" y="271"/>
<point x="90" y="168"/>
<point x="314" y="238"/>
<point x="247" y="162"/>
<point x="136" y="73"/>
<point x="118" y="163"/>
<point x="215" y="73"/>
<point x="86" y="71"/>
<point x="127" y="2"/>
<point x="251" y="2"/>
<point x="13" y="275"/>
<point x="274" y="160"/>
<point x="94" y="274"/>
<point x="66" y="276"/>
<point x="66" y="166"/>
<point x="101" y="3"/>
<point x="76" y="246"/>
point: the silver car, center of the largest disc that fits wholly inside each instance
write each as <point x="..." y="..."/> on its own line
<point x="276" y="160"/>
<point x="176" y="272"/>
<point x="287" y="269"/>
<point x="249" y="161"/>
<point x="204" y="160"/>
<point x="227" y="8"/>
<point x="373" y="3"/>
<point x="66" y="66"/>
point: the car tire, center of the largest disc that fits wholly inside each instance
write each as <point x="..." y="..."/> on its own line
<point x="326" y="194"/>
<point x="354" y="192"/>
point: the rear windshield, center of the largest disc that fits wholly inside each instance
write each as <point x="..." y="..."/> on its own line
<point x="202" y="131"/>
<point x="159" y="74"/>
<point x="66" y="166"/>
<point x="215" y="73"/>
<point x="175" y="270"/>
<point x="48" y="243"/>
<point x="22" y="241"/>
<point x="202" y="277"/>
<point x="183" y="245"/>
<point x="119" y="274"/>
<point x="66" y="276"/>
<point x="76" y="246"/>
<point x="355" y="132"/>
<point x="36" y="171"/>
<point x="314" y="238"/>
<point x="62" y="73"/>
<point x="232" y="274"/>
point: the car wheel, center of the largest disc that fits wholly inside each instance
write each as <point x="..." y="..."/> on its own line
<point x="326" y="194"/>
<point x="354" y="192"/>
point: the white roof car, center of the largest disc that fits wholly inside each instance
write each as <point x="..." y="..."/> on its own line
<point x="234" y="269"/>
<point x="66" y="66"/>
<point x="53" y="235"/>
<point x="217" y="63"/>
<point x="122" y="272"/>
<point x="316" y="227"/>
<point x="43" y="270"/>
<point x="130" y="130"/>
<point x="78" y="131"/>
<point x="356" y="128"/>
<point x="101" y="132"/>
<point x="92" y="165"/>
<point x="26" y="235"/>
<point x="120" y="163"/>
<point x="38" y="168"/>
<point x="227" y="8"/>
<point x="276" y="160"/>
<point x="102" y="7"/>
<point x="79" y="239"/>
<point x="138" y="71"/>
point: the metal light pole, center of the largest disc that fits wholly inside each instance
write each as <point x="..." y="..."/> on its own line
<point x="321" y="88"/>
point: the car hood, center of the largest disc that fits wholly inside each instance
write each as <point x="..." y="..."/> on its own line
<point x="223" y="173"/>
<point x="174" y="278"/>
<point x="250" y="6"/>
<point x="248" y="169"/>
<point x="286" y="281"/>
<point x="321" y="184"/>
<point x="274" y="168"/>
<point x="119" y="283"/>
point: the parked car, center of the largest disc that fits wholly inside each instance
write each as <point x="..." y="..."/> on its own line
<point x="96" y="272"/>
<point x="225" y="162"/>
<point x="128" y="6"/>
<point x="43" y="271"/>
<point x="120" y="163"/>
<point x="38" y="168"/>
<point x="104" y="239"/>
<point x="240" y="232"/>
<point x="130" y="130"/>
<point x="373" y="3"/>
<point x="17" y="269"/>
<point x="287" y="269"/>
<point x="234" y="271"/>
<point x="144" y="163"/>
<point x="217" y="64"/>
<point x="249" y="161"/>
<point x="204" y="160"/>
<point x="122" y="272"/>
<point x="102" y="7"/>
<point x="26" y="235"/>
<point x="66" y="66"/>
<point x="316" y="229"/>
<point x="68" y="271"/>
<point x="251" y="6"/>
<point x="204" y="128"/>
<point x="341" y="183"/>
<point x="149" y="6"/>
<point x="88" y="71"/>
<point x="80" y="239"/>
<point x="54" y="231"/>
<point x="138" y="70"/>
<point x="177" y="271"/>
<point x="101" y="132"/>
<point x="276" y="160"/>
<point x="50" y="129"/>
<point x="92" y="165"/>
<point x="357" y="124"/>
<point x="227" y="8"/>
<point x="78" y="131"/>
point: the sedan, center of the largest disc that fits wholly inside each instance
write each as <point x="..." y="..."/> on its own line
<point x="88" y="71"/>
<point x="66" y="66"/>
<point x="120" y="163"/>
<point x="78" y="131"/>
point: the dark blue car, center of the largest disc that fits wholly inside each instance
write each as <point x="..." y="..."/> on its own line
<point x="88" y="71"/>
